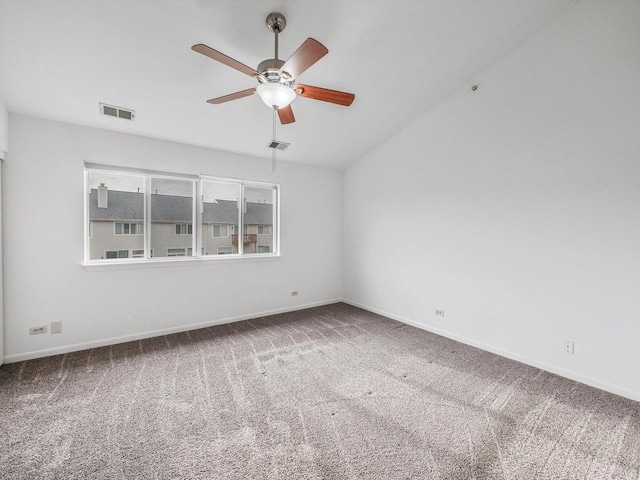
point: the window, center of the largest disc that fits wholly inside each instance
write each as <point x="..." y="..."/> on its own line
<point x="179" y="252"/>
<point x="172" y="208"/>
<point x="114" y="202"/>
<point x="184" y="229"/>
<point x="220" y="231"/>
<point x="220" y="208"/>
<point x="258" y="208"/>
<point x="139" y="253"/>
<point x="128" y="228"/>
<point x="131" y="213"/>
<point x="116" y="254"/>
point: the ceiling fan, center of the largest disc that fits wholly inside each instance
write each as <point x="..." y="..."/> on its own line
<point x="277" y="87"/>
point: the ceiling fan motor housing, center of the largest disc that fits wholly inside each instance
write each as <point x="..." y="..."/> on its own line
<point x="270" y="72"/>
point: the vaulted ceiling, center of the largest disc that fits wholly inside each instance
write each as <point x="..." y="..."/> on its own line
<point x="58" y="60"/>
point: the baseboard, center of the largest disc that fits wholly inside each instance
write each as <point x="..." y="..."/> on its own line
<point x="593" y="382"/>
<point x="19" y="357"/>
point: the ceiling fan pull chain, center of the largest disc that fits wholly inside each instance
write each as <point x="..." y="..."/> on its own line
<point x="273" y="153"/>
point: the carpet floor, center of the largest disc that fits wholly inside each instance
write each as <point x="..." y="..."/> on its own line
<point x="332" y="392"/>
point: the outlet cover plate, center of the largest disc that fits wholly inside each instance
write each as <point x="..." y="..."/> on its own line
<point x="37" y="330"/>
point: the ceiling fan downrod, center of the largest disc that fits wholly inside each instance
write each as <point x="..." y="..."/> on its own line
<point x="276" y="23"/>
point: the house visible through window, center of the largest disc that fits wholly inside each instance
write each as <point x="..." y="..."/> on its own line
<point x="138" y="214"/>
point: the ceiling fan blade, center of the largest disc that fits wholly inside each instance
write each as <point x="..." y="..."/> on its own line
<point x="306" y="55"/>
<point x="324" y="94"/>
<point x="286" y="115"/>
<point x="222" y="58"/>
<point x="232" y="96"/>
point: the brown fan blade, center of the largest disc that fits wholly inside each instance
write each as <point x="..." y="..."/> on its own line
<point x="306" y="55"/>
<point x="232" y="96"/>
<point x="286" y="115"/>
<point x="324" y="94"/>
<point x="222" y="58"/>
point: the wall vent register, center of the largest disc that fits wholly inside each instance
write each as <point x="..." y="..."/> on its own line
<point x="118" y="112"/>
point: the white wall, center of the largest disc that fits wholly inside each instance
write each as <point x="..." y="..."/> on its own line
<point x="4" y="130"/>
<point x="43" y="233"/>
<point x="4" y="146"/>
<point x="516" y="208"/>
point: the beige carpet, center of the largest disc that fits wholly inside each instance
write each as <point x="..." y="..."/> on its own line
<point x="332" y="392"/>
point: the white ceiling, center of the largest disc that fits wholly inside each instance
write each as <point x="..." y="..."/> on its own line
<point x="59" y="59"/>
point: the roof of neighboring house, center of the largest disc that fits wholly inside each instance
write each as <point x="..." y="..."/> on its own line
<point x="174" y="208"/>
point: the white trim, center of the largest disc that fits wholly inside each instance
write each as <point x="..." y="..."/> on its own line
<point x="19" y="357"/>
<point x="578" y="377"/>
<point x="127" y="170"/>
<point x="158" y="262"/>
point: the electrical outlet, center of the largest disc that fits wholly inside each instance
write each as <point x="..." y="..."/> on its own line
<point x="56" y="327"/>
<point x="438" y="313"/>
<point x="294" y="293"/>
<point x="568" y="346"/>
<point x="37" y="330"/>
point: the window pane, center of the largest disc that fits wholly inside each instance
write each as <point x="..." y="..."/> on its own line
<point x="219" y="217"/>
<point x="258" y="207"/>
<point x="114" y="199"/>
<point x="171" y="212"/>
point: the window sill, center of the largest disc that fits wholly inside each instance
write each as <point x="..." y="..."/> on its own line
<point x="176" y="261"/>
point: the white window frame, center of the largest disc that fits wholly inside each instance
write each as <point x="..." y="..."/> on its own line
<point x="197" y="247"/>
<point x="225" y="247"/>
<point x="262" y="226"/>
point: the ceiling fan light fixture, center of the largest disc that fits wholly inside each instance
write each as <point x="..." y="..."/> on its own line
<point x="275" y="94"/>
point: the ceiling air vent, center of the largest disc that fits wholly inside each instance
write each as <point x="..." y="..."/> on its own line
<point x="275" y="144"/>
<point x="117" y="112"/>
